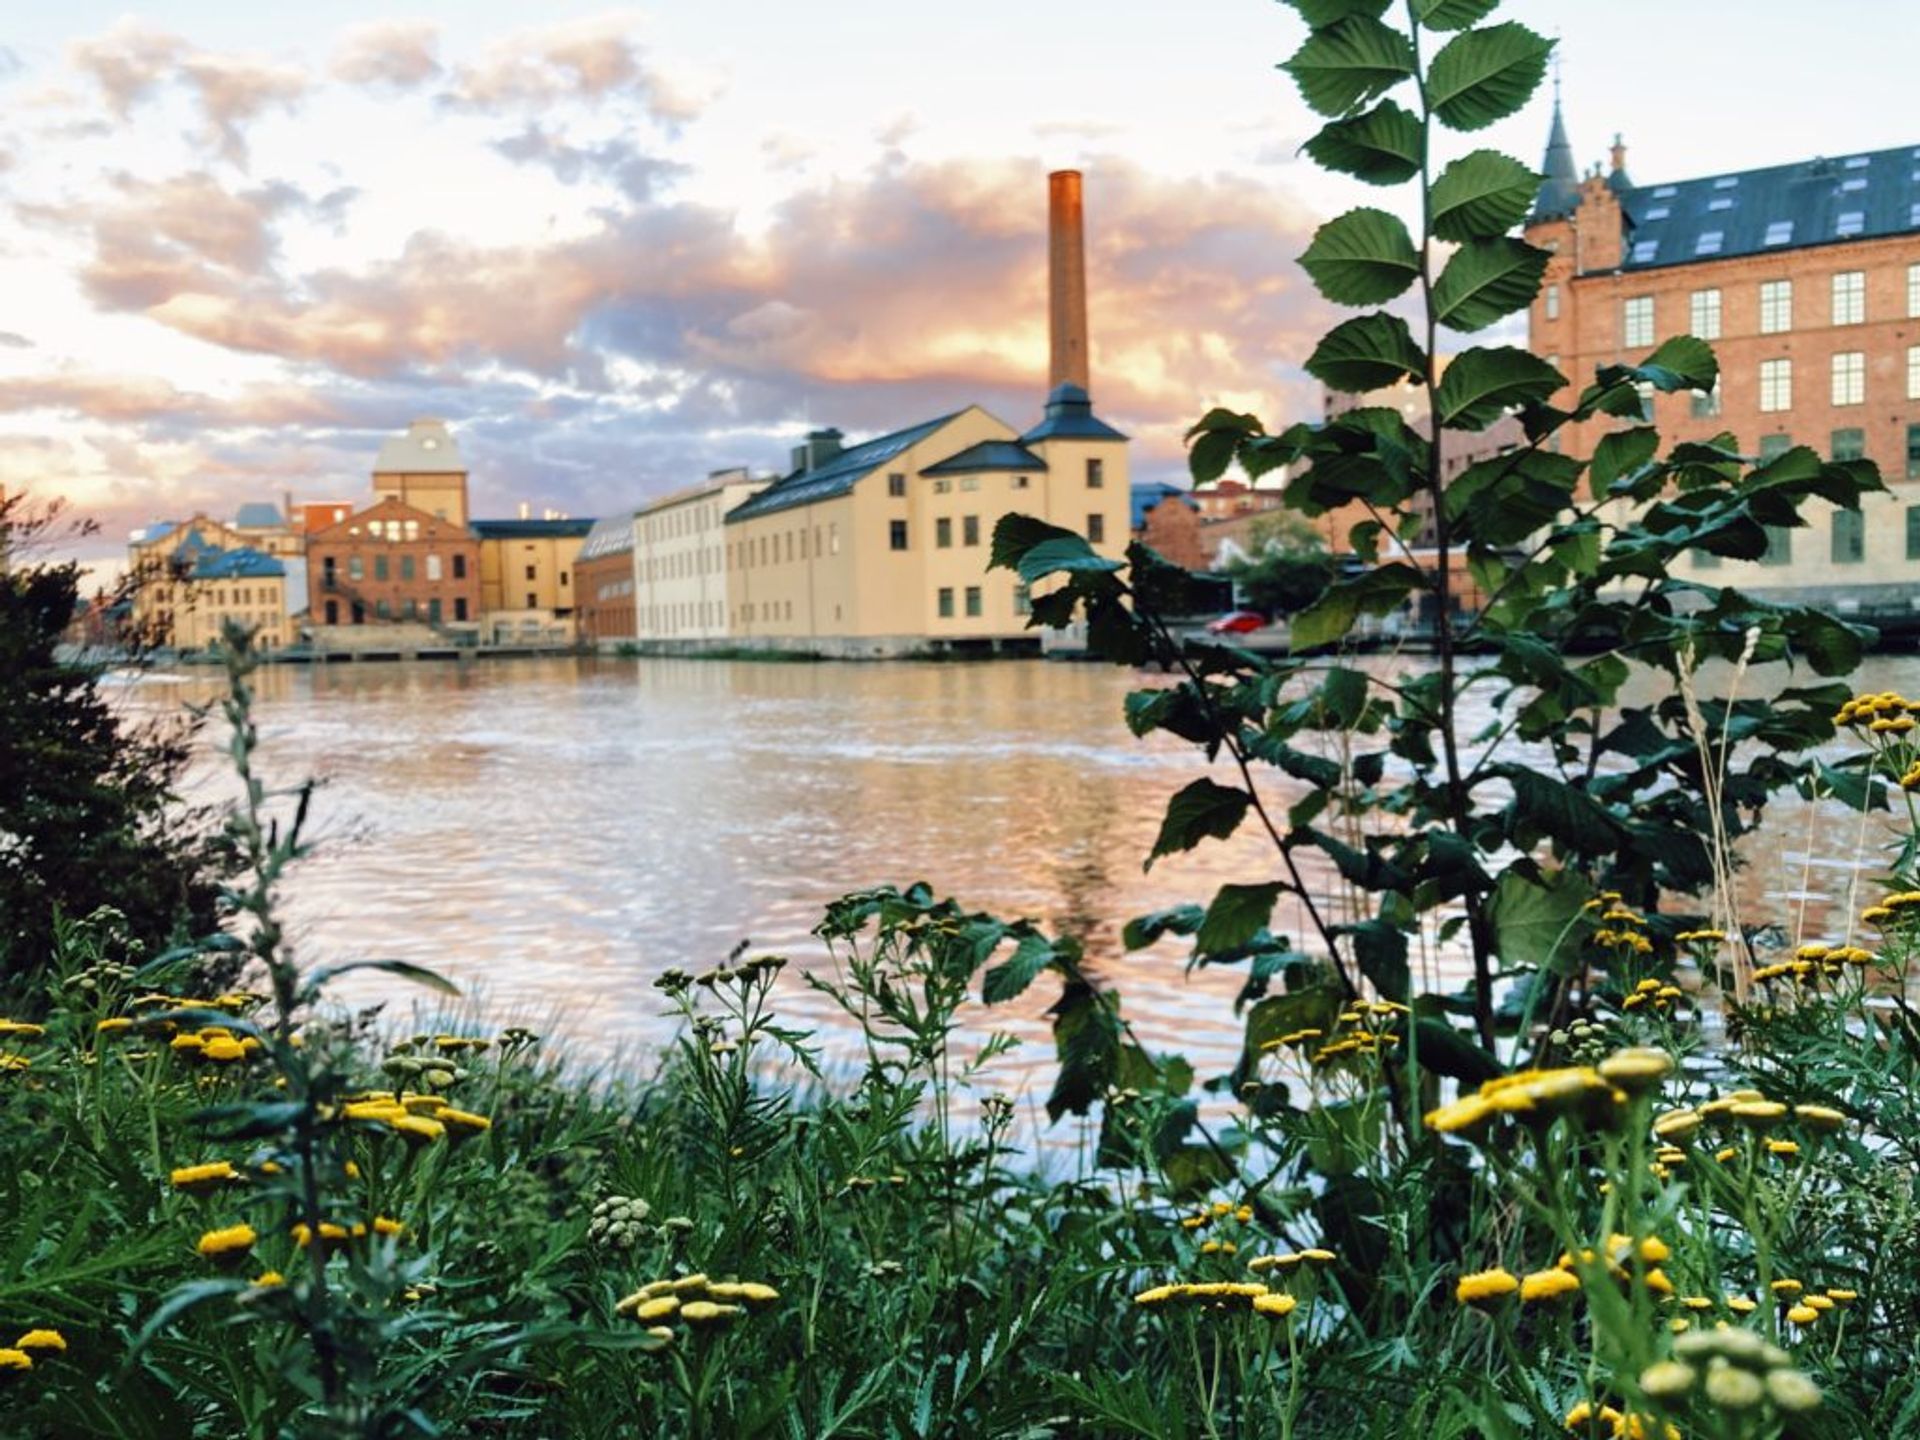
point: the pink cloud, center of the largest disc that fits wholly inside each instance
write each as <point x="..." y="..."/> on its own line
<point x="399" y="53"/>
<point x="591" y="60"/>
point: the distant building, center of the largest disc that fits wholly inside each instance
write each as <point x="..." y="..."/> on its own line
<point x="1166" y="519"/>
<point x="423" y="468"/>
<point x="603" y="582"/>
<point x="192" y="588"/>
<point x="393" y="562"/>
<point x="1228" y="497"/>
<point x="526" y="578"/>
<point x="681" y="569"/>
<point x="1805" y="278"/>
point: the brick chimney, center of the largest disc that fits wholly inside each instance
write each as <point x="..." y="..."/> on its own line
<point x="1066" y="280"/>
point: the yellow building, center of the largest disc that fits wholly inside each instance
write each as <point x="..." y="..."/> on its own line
<point x="424" y="469"/>
<point x="881" y="548"/>
<point x="526" y="579"/>
<point x="680" y="572"/>
<point x="189" y="593"/>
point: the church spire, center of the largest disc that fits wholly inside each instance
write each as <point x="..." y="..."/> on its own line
<point x="1560" y="187"/>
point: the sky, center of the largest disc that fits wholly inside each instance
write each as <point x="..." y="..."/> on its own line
<point x="620" y="247"/>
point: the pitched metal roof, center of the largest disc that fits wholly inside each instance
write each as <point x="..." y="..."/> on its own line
<point x="836" y="476"/>
<point x="1150" y="493"/>
<point x="1560" y="177"/>
<point x="257" y="515"/>
<point x="244" y="564"/>
<point x="1070" y="417"/>
<point x="988" y="455"/>
<point x="1780" y="207"/>
<point x="611" y="536"/>
<point x="428" y="448"/>
<point x="528" y="529"/>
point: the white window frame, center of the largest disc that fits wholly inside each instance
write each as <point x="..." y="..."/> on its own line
<point x="1703" y="314"/>
<point x="1849" y="370"/>
<point x="1776" y="307"/>
<point x="1636" y="322"/>
<point x="1553" y="302"/>
<point x="1913" y="292"/>
<point x="1913" y="372"/>
<point x="1850" y="297"/>
<point x="1776" y="386"/>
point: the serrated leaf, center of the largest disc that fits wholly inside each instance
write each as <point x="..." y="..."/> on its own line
<point x="1487" y="280"/>
<point x="1344" y="66"/>
<point x="1621" y="453"/>
<point x="1482" y="384"/>
<point x="1445" y="1051"/>
<point x="1681" y="363"/>
<point x="1533" y="917"/>
<point x="1364" y="257"/>
<point x="1368" y="352"/>
<point x="1200" y="811"/>
<point x="1454" y="14"/>
<point x="1065" y="553"/>
<point x="1481" y="195"/>
<point x="1143" y="930"/>
<point x="1238" y="914"/>
<point x="1377" y="592"/>
<point x="1016" y="534"/>
<point x="1010" y="978"/>
<point x="1321" y="13"/>
<point x="1381" y="147"/>
<point x="1482" y="76"/>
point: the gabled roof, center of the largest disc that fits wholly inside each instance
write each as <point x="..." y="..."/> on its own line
<point x="428" y="448"/>
<point x="1070" y="417"/>
<point x="1780" y="207"/>
<point x="988" y="455"/>
<point x="257" y="515"/>
<point x="245" y="564"/>
<point x="528" y="529"/>
<point x="837" y="475"/>
<point x="611" y="536"/>
<point x="1147" y="494"/>
<point x="345" y="531"/>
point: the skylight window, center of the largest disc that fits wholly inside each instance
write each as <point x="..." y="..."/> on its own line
<point x="1709" y="242"/>
<point x="1726" y="182"/>
<point x="1780" y="232"/>
<point x="1659" y="212"/>
<point x="1665" y="192"/>
<point x="1850" y="222"/>
<point x="1721" y="202"/>
<point x="1857" y="162"/>
<point x="1913" y="213"/>
<point x="1859" y="182"/>
<point x="1645" y="250"/>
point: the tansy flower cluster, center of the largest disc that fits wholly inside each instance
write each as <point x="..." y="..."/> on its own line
<point x="1732" y="1369"/>
<point x="1593" y="1092"/>
<point x="418" y="1119"/>
<point x="1900" y="908"/>
<point x="1256" y="1297"/>
<point x="1620" y="928"/>
<point x="1587" y="1419"/>
<point x="1216" y="1214"/>
<point x="1655" y="995"/>
<point x="34" y="1346"/>
<point x="696" y="1302"/>
<point x="1888" y="713"/>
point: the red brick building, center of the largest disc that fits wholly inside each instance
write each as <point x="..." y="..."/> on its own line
<point x="392" y="562"/>
<point x="603" y="582"/>
<point x="1167" y="519"/>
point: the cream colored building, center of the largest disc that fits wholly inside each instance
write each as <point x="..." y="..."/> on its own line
<point x="424" y="469"/>
<point x="680" y="572"/>
<point x="189" y="593"/>
<point x="526" y="579"/>
<point x="881" y="548"/>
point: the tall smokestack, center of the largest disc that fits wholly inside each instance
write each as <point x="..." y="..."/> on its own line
<point x="1066" y="280"/>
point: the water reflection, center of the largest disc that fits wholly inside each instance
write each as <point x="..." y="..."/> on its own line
<point x="557" y="832"/>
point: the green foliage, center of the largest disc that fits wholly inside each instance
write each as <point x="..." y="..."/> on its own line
<point x="1361" y="258"/>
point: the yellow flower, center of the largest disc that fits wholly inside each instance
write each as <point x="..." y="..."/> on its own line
<point x="186" y="1044"/>
<point x="1822" y="1119"/>
<point x="113" y="1025"/>
<point x="384" y="1226"/>
<point x="330" y="1234"/>
<point x="200" y="1179"/>
<point x="1263" y="1263"/>
<point x="1741" y="1304"/>
<point x="1638" y="1068"/>
<point x="49" y="1340"/>
<point x="21" y="1029"/>
<point x="1786" y="1149"/>
<point x="15" y="1362"/>
<point x="230" y="1243"/>
<point x="1468" y="1113"/>
<point x="1544" y="1285"/>
<point x="1484" y="1287"/>
<point x="1583" y="1416"/>
<point x="416" y="1129"/>
<point x="1317" y="1256"/>
<point x="267" y="1279"/>
<point x="1274" y="1306"/>
<point x="658" y="1308"/>
<point x="1760" y="1114"/>
<point x="707" y="1312"/>
<point x="463" y="1124"/>
<point x="1787" y="1287"/>
<point x="223" y="1050"/>
<point x="1803" y="1314"/>
<point x="1842" y="1298"/>
<point x="1820" y="1302"/>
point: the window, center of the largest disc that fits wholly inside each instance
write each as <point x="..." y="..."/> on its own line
<point x="943" y="486"/>
<point x="1636" y="329"/>
<point x="1019" y="482"/>
<point x="1849" y="222"/>
<point x="406" y="567"/>
<point x="433" y="567"/>
<point x="1856" y="162"/>
<point x="1850" y="297"/>
<point x="1913" y="532"/>
<point x="942" y="534"/>
<point x="1779" y="549"/>
<point x="1776" y="386"/>
<point x="896" y="534"/>
<point x="946" y="602"/>
<point x="433" y="612"/>
<point x="1913" y="292"/>
<point x="356" y="568"/>
<point x="1776" y="306"/>
<point x="380" y="610"/>
<point x="1722" y="202"/>
<point x="1913" y="372"/>
<point x="1023" y="600"/>
<point x="1096" y="528"/>
<point x="379" y="567"/>
<point x="897" y="485"/>
<point x="1703" y="314"/>
<point x="1913" y="452"/>
<point x="333" y="606"/>
<point x="973" y="600"/>
<point x="1859" y="182"/>
<point x="1774" y="446"/>
<point x="1706" y="403"/>
<point x="459" y="604"/>
<point x="1644" y="389"/>
<point x="460" y="570"/>
<point x="1726" y="182"/>
<point x="1848" y="444"/>
<point x="1779" y="232"/>
<point x="1658" y="212"/>
<point x="1096" y="472"/>
<point x="1849" y="377"/>
<point x="1645" y="250"/>
<point x="1553" y="302"/>
<point x="533" y="601"/>
<point x="969" y="482"/>
<point x="969" y="529"/>
<point x="1848" y="539"/>
<point x="1709" y="242"/>
<point x="833" y="538"/>
<point x="1664" y="192"/>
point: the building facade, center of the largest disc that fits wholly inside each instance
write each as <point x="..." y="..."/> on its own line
<point x="393" y="563"/>
<point x="425" y="469"/>
<point x="1805" y="278"/>
<point x="526" y="579"/>
<point x="603" y="582"/>
<point x="1166" y="519"/>
<point x="682" y="560"/>
<point x="192" y="592"/>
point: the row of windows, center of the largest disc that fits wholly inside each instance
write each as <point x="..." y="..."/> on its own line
<point x="684" y="564"/>
<point x="1096" y="473"/>
<point x="409" y="610"/>
<point x="683" y="615"/>
<point x="767" y="549"/>
<point x="1847" y="295"/>
<point x="681" y="520"/>
<point x="614" y="590"/>
<point x="1847" y="380"/>
<point x="382" y="570"/>
<point x="1846" y="541"/>
<point x="392" y="531"/>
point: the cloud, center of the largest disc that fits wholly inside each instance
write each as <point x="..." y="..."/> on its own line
<point x="235" y="90"/>
<point x="591" y="60"/>
<point x="618" y="162"/>
<point x="13" y="340"/>
<point x="78" y="393"/>
<point x="128" y="63"/>
<point x="398" y="53"/>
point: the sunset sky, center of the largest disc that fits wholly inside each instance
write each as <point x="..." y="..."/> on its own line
<point x="619" y="248"/>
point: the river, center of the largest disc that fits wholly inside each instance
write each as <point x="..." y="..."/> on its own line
<point x="553" y="833"/>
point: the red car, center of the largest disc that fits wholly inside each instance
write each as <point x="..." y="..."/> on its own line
<point x="1238" y="622"/>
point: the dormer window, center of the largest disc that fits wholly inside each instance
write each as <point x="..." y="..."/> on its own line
<point x="1726" y="182"/>
<point x="1659" y="212"/>
<point x="1720" y="202"/>
<point x="1849" y="222"/>
<point x="1709" y="242"/>
<point x="1779" y="232"/>
<point x="1645" y="250"/>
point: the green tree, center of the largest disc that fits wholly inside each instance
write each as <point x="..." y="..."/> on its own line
<point x="89" y="815"/>
<point x="1288" y="568"/>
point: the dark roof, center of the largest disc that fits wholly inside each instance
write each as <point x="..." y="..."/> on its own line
<point x="1560" y="177"/>
<point x="244" y="564"/>
<point x="1070" y="417"/>
<point x="528" y="529"/>
<point x="1150" y="493"/>
<point x="1781" y="207"/>
<point x="837" y="475"/>
<point x="258" y="515"/>
<point x="988" y="455"/>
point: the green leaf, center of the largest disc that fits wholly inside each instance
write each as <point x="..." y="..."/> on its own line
<point x="1067" y="553"/>
<point x="1377" y="592"/>
<point x="1483" y="76"/>
<point x="1681" y="363"/>
<point x="1321" y="13"/>
<point x="1482" y="195"/>
<point x="1454" y="14"/>
<point x="1364" y="257"/>
<point x="1143" y="930"/>
<point x="1621" y="455"/>
<point x="1014" y="535"/>
<point x="1534" y="914"/>
<point x="1086" y="1040"/>
<point x="1012" y="976"/>
<point x="1381" y="147"/>
<point x="1200" y="810"/>
<point x="1445" y="1051"/>
<point x="1368" y="352"/>
<point x="1487" y="280"/>
<point x="1482" y="384"/>
<point x="1344" y="66"/>
<point x="1238" y="914"/>
<point x="1380" y="947"/>
<point x="419" y="974"/>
